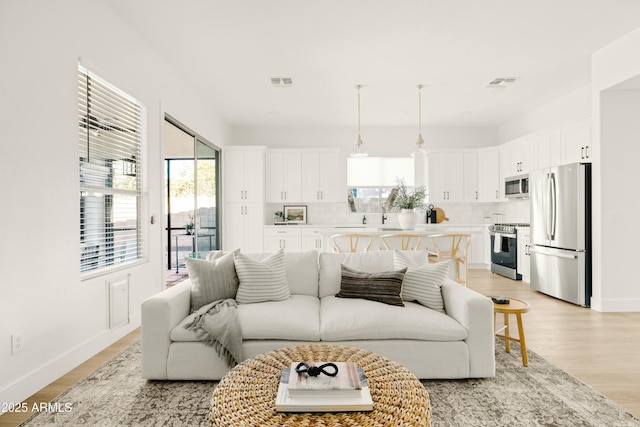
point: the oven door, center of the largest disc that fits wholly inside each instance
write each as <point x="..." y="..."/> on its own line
<point x="504" y="256"/>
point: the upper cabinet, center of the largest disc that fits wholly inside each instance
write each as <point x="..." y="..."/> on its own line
<point x="576" y="142"/>
<point x="446" y="179"/>
<point x="243" y="174"/>
<point x="323" y="176"/>
<point x="470" y="177"/>
<point x="489" y="175"/>
<point x="517" y="157"/>
<point x="548" y="146"/>
<point x="283" y="173"/>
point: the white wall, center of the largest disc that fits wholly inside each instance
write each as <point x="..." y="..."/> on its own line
<point x="567" y="108"/>
<point x="64" y="319"/>
<point x="378" y="141"/>
<point x="615" y="135"/>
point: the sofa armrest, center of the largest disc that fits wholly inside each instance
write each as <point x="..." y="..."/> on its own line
<point x="474" y="311"/>
<point x="160" y="314"/>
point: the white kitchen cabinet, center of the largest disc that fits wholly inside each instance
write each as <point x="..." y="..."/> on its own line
<point x="243" y="169"/>
<point x="244" y="224"/>
<point x="477" y="250"/>
<point x="548" y="149"/>
<point x="470" y="177"/>
<point x="517" y="157"/>
<point x="312" y="238"/>
<point x="446" y="177"/>
<point x="576" y="142"/>
<point x="524" y="255"/>
<point x="324" y="177"/>
<point x="489" y="175"/>
<point x="284" y="237"/>
<point x="283" y="177"/>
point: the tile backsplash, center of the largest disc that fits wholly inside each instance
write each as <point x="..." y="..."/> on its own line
<point x="458" y="213"/>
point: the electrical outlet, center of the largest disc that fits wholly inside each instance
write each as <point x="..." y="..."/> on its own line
<point x="17" y="342"/>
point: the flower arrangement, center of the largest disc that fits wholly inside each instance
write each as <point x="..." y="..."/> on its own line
<point x="406" y="199"/>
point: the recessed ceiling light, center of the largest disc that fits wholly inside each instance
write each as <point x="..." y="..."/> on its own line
<point x="502" y="82"/>
<point x="281" y="81"/>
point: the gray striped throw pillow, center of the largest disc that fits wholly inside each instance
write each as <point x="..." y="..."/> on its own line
<point x="262" y="280"/>
<point x="211" y="280"/>
<point x="382" y="287"/>
<point x="423" y="281"/>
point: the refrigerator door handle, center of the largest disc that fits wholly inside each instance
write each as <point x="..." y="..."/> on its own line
<point x="547" y="202"/>
<point x="554" y="207"/>
<point x="533" y="250"/>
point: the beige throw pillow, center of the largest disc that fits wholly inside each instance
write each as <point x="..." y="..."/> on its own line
<point x="422" y="281"/>
<point x="262" y="280"/>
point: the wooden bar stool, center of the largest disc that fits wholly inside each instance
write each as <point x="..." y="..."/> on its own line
<point x="358" y="242"/>
<point x="451" y="246"/>
<point x="518" y="307"/>
<point x="401" y="241"/>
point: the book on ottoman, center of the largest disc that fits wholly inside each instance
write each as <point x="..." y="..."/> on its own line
<point x="349" y="392"/>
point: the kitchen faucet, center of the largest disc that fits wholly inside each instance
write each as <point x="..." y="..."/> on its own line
<point x="384" y="216"/>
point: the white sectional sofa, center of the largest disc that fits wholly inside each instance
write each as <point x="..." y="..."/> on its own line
<point x="456" y="344"/>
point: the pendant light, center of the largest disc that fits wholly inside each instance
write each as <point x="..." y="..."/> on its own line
<point x="421" y="150"/>
<point x="357" y="147"/>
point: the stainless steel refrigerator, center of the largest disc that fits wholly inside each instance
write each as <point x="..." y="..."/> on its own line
<point x="561" y="232"/>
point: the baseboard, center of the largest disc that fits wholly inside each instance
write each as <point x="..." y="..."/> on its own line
<point x="615" y="305"/>
<point x="44" y="375"/>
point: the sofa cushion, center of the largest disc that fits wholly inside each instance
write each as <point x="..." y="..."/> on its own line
<point x="297" y="318"/>
<point x="302" y="270"/>
<point x="382" y="287"/>
<point x="330" y="273"/>
<point x="261" y="280"/>
<point x="422" y="281"/>
<point x="212" y="280"/>
<point x="359" y="319"/>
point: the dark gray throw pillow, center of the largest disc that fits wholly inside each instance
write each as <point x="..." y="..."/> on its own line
<point x="383" y="287"/>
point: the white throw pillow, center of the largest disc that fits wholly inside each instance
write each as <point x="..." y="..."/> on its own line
<point x="422" y="281"/>
<point x="212" y="280"/>
<point x="262" y="280"/>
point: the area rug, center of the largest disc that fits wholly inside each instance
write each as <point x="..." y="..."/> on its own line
<point x="538" y="395"/>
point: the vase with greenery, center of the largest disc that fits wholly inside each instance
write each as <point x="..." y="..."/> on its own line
<point x="190" y="225"/>
<point x="407" y="203"/>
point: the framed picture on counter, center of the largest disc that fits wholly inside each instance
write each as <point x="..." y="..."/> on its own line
<point x="295" y="214"/>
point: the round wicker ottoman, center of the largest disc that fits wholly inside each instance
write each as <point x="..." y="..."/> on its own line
<point x="246" y="395"/>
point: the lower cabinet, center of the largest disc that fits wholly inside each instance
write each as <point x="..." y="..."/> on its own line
<point x="282" y="237"/>
<point x="312" y="239"/>
<point x="524" y="255"/>
<point x="243" y="227"/>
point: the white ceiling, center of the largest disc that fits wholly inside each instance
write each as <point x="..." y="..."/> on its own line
<point x="229" y="49"/>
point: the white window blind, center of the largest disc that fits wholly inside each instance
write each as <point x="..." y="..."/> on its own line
<point x="110" y="134"/>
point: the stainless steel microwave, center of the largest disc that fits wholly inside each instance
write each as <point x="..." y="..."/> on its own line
<point x="517" y="187"/>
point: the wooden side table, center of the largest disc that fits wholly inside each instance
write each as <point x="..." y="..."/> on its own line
<point x="518" y="307"/>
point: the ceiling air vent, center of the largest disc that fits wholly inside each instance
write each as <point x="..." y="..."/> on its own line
<point x="502" y="82"/>
<point x="281" y="81"/>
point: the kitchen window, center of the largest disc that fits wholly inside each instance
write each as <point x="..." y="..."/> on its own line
<point x="371" y="179"/>
<point x="110" y="140"/>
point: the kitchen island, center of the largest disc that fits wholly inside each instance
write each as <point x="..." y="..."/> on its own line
<point x="303" y="237"/>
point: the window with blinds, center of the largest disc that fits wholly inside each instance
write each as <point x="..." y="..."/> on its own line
<point x="110" y="129"/>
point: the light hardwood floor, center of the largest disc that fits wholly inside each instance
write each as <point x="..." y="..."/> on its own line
<point x="601" y="349"/>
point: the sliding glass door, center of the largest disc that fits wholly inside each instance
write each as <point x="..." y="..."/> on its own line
<point x="206" y="199"/>
<point x="192" y="169"/>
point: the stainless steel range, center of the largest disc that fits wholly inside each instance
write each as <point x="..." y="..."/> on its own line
<point x="504" y="249"/>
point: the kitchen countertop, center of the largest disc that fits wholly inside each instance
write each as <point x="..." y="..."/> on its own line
<point x="380" y="227"/>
